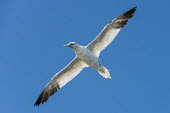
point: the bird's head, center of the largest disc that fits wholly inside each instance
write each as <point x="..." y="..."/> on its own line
<point x="72" y="45"/>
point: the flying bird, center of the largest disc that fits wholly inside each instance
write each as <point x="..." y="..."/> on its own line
<point x="86" y="56"/>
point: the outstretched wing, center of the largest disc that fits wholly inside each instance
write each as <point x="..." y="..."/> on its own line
<point x="109" y="32"/>
<point x="60" y="79"/>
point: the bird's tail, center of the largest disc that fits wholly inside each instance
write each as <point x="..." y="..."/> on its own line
<point x="104" y="72"/>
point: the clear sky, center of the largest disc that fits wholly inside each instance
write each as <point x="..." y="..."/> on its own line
<point x="32" y="35"/>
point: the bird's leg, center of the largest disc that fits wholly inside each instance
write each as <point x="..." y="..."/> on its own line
<point x="99" y="63"/>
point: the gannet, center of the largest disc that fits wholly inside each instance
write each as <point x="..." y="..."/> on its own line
<point x="86" y="56"/>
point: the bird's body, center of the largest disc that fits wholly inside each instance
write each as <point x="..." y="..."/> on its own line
<point x="86" y="56"/>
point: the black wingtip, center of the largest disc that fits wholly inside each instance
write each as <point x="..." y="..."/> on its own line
<point x="45" y="95"/>
<point x="39" y="100"/>
<point x="135" y="7"/>
<point x="123" y="19"/>
<point x="132" y="10"/>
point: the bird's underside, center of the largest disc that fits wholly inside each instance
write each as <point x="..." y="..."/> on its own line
<point x="106" y="36"/>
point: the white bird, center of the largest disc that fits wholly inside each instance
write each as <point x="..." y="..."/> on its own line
<point x="86" y="56"/>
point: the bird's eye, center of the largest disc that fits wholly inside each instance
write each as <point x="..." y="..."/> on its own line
<point x="71" y="44"/>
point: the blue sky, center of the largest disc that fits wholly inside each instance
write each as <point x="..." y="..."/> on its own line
<point x="32" y="35"/>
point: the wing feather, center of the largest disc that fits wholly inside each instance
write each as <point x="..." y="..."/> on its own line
<point x="109" y="32"/>
<point x="60" y="79"/>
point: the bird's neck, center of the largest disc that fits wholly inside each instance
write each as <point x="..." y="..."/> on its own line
<point x="78" y="49"/>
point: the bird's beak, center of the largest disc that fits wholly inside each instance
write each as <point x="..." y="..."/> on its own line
<point x="66" y="46"/>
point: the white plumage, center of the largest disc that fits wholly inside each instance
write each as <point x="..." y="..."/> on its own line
<point x="86" y="56"/>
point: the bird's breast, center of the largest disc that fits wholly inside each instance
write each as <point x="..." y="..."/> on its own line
<point x="88" y="57"/>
